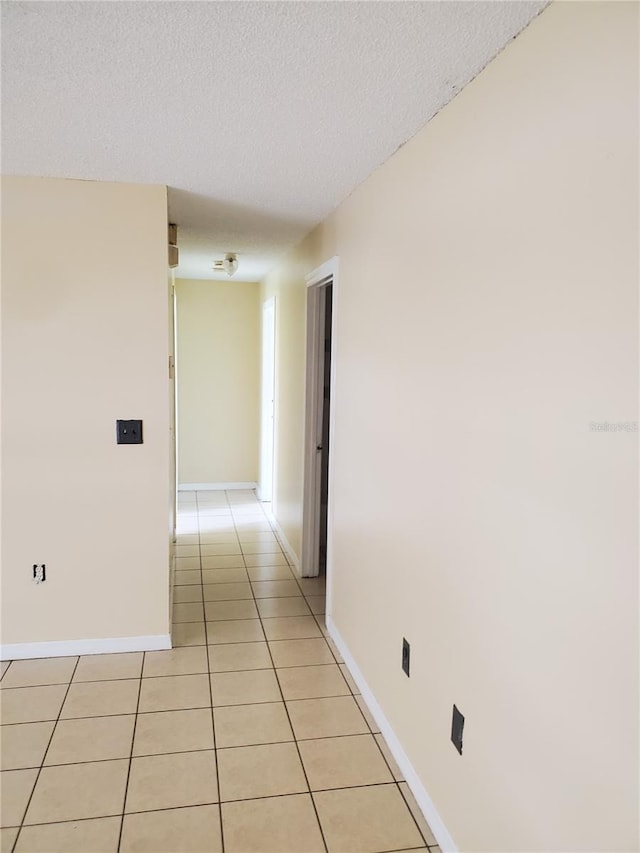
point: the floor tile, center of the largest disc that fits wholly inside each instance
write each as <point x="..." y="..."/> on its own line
<point x="247" y="725"/>
<point x="276" y="559"/>
<point x="233" y="562"/>
<point x="312" y="682"/>
<point x="269" y="547"/>
<point x="275" y="825"/>
<point x="188" y="830"/>
<point x="186" y="594"/>
<point x="313" y="586"/>
<point x="216" y="510"/>
<point x="366" y="713"/>
<point x="213" y="576"/>
<point x="98" y="835"/>
<point x="24" y="745"/>
<point x="187" y="563"/>
<point x="228" y="591"/>
<point x="334" y="649"/>
<point x="256" y="536"/>
<point x="419" y="818"/>
<point x="353" y="687"/>
<point x="254" y="526"/>
<point x="101" y="698"/>
<point x="91" y="739"/>
<point x="31" y="704"/>
<point x="107" y="667"/>
<point x="317" y="718"/>
<point x="291" y="628"/>
<point x="219" y="525"/>
<point x="245" y="688"/>
<point x="270" y="608"/>
<point x="300" y="652"/>
<point x="384" y="749"/>
<point x="170" y="781"/>
<point x="174" y="693"/>
<point x="317" y="603"/>
<point x="187" y="578"/>
<point x="41" y="671"/>
<point x="187" y="539"/>
<point x="246" y="772"/>
<point x="188" y="612"/>
<point x="76" y="791"/>
<point x="188" y="633"/>
<point x="16" y="787"/>
<point x="4" y="666"/>
<point x="230" y="657"/>
<point x="343" y="762"/>
<point x="366" y="819"/>
<point x="215" y="537"/>
<point x="173" y="731"/>
<point x="225" y="610"/>
<point x="8" y="837"/>
<point x="270" y="573"/>
<point x="192" y="550"/>
<point x="235" y="631"/>
<point x="183" y="661"/>
<point x="187" y="526"/>
<point x="220" y="549"/>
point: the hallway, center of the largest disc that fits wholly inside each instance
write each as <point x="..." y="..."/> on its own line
<point x="253" y="702"/>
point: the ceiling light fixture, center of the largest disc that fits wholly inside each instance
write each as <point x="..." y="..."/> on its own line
<point x="228" y="265"/>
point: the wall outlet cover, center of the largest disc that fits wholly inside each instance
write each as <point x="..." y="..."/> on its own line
<point x="129" y="432"/>
<point x="406" y="655"/>
<point x="457" y="725"/>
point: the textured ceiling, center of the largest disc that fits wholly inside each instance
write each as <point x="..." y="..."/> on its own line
<point x="260" y="116"/>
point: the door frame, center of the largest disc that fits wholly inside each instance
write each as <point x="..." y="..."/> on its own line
<point x="267" y="401"/>
<point x="316" y="281"/>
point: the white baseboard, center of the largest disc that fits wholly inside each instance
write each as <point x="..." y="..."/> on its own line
<point x="65" y="648"/>
<point x="286" y="545"/>
<point x="215" y="487"/>
<point x="426" y="804"/>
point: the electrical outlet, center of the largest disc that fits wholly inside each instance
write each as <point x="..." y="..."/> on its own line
<point x="406" y="652"/>
<point x="457" y="725"/>
<point x="129" y="432"/>
<point x="39" y="572"/>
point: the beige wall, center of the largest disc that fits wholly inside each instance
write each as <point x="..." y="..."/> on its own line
<point x="84" y="342"/>
<point x="288" y="285"/>
<point x="218" y="381"/>
<point x="486" y="314"/>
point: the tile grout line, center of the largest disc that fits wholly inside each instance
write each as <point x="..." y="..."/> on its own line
<point x="37" y="779"/>
<point x="295" y="739"/>
<point x="408" y="807"/>
<point x="213" y="719"/>
<point x="133" y="740"/>
<point x="215" y="803"/>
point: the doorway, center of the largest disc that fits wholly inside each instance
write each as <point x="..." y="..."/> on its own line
<point x="267" y="430"/>
<point x="316" y="523"/>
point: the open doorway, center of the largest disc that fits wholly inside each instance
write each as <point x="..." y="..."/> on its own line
<point x="317" y="474"/>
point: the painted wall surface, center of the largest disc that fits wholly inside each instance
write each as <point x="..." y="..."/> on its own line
<point x="486" y="316"/>
<point x="84" y="342"/>
<point x="218" y="380"/>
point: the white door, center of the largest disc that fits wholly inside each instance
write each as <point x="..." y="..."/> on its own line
<point x="265" y="490"/>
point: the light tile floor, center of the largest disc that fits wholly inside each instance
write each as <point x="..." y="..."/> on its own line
<point x="248" y="736"/>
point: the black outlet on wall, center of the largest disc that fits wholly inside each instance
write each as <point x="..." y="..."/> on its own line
<point x="457" y="725"/>
<point x="406" y="653"/>
<point x="129" y="432"/>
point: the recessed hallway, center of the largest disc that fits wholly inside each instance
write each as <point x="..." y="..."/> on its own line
<point x="248" y="736"/>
